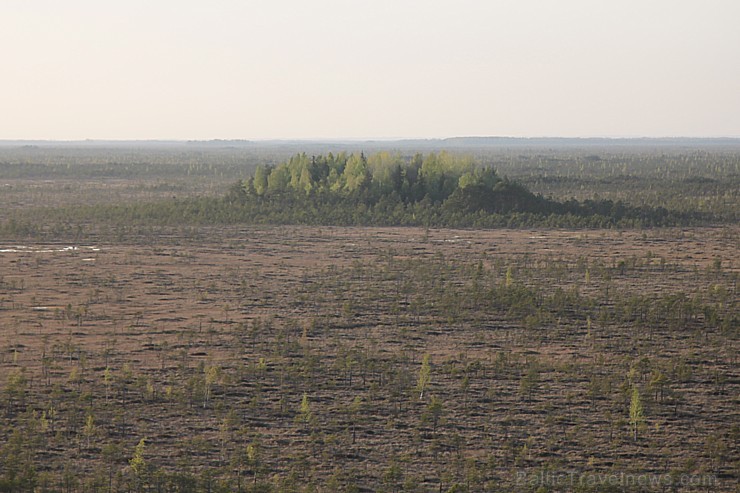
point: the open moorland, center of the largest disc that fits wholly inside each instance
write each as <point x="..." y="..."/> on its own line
<point x="283" y="357"/>
<point x="240" y="357"/>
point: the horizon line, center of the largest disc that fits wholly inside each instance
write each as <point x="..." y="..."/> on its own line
<point x="362" y="139"/>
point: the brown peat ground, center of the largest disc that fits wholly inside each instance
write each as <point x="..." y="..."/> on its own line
<point x="290" y="358"/>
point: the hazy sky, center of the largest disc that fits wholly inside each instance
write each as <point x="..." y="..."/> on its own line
<point x="253" y="69"/>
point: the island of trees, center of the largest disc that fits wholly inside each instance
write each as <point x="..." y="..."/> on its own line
<point x="437" y="189"/>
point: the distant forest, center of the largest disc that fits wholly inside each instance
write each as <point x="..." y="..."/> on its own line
<point x="436" y="189"/>
<point x="70" y="191"/>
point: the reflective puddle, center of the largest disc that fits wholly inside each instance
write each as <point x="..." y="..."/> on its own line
<point x="48" y="249"/>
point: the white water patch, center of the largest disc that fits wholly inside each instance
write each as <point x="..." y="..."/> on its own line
<point x="454" y="239"/>
<point x="47" y="249"/>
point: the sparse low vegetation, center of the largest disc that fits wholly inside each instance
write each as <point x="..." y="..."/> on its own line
<point x="152" y="346"/>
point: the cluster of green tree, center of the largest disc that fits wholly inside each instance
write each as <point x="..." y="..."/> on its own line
<point x="437" y="189"/>
<point x="618" y="187"/>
